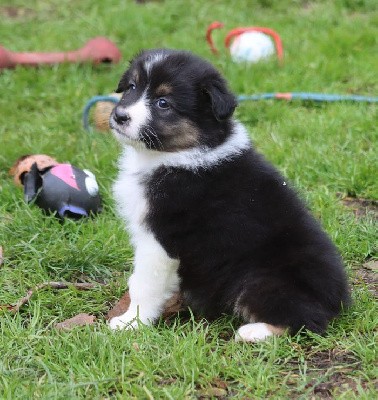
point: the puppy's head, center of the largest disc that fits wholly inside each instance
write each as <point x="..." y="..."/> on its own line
<point x="172" y="100"/>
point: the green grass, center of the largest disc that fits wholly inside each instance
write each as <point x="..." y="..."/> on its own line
<point x="325" y="150"/>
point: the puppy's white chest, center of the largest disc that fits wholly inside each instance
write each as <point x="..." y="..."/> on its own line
<point x="130" y="194"/>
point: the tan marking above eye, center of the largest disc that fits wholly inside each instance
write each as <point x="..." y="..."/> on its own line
<point x="135" y="76"/>
<point x="163" y="90"/>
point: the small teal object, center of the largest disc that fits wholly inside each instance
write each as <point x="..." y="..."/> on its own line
<point x="90" y="103"/>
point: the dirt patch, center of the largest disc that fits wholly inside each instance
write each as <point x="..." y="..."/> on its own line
<point x="216" y="389"/>
<point x="12" y="12"/>
<point x="360" y="207"/>
<point x="330" y="373"/>
<point x="368" y="274"/>
<point x="332" y="358"/>
<point x="309" y="7"/>
<point x="337" y="384"/>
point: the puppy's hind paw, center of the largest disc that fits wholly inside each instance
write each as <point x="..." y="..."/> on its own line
<point x="257" y="332"/>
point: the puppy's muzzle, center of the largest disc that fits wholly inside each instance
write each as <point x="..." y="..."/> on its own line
<point x="121" y="116"/>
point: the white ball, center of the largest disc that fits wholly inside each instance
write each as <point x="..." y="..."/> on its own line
<point x="251" y="47"/>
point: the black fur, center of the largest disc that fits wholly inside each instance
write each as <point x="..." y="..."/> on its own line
<point x="239" y="231"/>
<point x="245" y="241"/>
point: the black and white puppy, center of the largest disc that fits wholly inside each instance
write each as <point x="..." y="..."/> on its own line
<point x="207" y="214"/>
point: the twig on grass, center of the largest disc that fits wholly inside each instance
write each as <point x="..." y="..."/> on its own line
<point x="53" y="285"/>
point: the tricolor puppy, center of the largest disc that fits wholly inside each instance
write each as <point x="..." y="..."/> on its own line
<point x="207" y="214"/>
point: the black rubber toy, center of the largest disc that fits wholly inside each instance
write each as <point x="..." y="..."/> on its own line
<point x="64" y="189"/>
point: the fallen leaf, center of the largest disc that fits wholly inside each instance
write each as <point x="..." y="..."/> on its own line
<point x="213" y="392"/>
<point x="135" y="346"/>
<point x="120" y="307"/>
<point x="217" y="382"/>
<point x="166" y="381"/>
<point x="172" y="306"/>
<point x="8" y="307"/>
<point x="78" y="320"/>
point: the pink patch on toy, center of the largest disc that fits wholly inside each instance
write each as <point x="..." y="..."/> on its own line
<point x="66" y="174"/>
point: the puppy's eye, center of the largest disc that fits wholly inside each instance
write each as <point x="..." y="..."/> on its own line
<point x="162" y="103"/>
<point x="131" y="86"/>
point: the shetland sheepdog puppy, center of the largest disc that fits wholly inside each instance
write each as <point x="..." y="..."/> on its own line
<point x="207" y="215"/>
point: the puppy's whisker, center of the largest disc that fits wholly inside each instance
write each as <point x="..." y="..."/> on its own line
<point x="153" y="133"/>
<point x="150" y="142"/>
<point x="147" y="136"/>
<point x="146" y="139"/>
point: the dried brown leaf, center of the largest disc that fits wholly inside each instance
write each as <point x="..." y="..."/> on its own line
<point x="172" y="306"/>
<point x="212" y="392"/>
<point x="120" y="307"/>
<point x="135" y="346"/>
<point x="78" y="320"/>
<point x="219" y="383"/>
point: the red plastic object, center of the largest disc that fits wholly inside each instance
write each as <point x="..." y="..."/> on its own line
<point x="239" y="31"/>
<point x="210" y="28"/>
<point x="97" y="50"/>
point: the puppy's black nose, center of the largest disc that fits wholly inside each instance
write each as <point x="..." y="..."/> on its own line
<point x="121" y="116"/>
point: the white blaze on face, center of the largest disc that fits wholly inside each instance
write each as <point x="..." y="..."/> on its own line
<point x="139" y="114"/>
<point x="153" y="59"/>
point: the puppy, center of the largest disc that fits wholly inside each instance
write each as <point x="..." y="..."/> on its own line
<point x="208" y="215"/>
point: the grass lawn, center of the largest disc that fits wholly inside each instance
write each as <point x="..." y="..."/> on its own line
<point x="328" y="151"/>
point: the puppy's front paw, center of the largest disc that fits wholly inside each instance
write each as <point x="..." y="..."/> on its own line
<point x="123" y="322"/>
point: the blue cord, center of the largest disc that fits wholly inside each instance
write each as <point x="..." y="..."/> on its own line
<point x="89" y="105"/>
<point x="309" y="96"/>
<point x="264" y="96"/>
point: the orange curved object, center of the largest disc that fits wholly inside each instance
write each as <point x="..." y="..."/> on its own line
<point x="210" y="28"/>
<point x="97" y="50"/>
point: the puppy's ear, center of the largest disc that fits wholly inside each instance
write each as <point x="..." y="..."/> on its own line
<point x="124" y="82"/>
<point x="119" y="88"/>
<point x="223" y="102"/>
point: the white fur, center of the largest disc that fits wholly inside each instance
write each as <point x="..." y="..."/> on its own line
<point x="153" y="59"/>
<point x="139" y="113"/>
<point x="129" y="194"/>
<point x="205" y="157"/>
<point x="146" y="161"/>
<point x="152" y="283"/>
<point x="253" y="332"/>
<point x="155" y="277"/>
